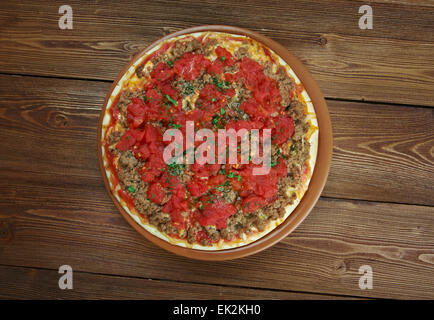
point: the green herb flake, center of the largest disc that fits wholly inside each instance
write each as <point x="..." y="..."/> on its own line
<point x="131" y="189"/>
<point x="170" y="63"/>
<point x="222" y="59"/>
<point x="213" y="100"/>
<point x="176" y="169"/>
<point x="273" y="164"/>
<point x="231" y="175"/>
<point x="171" y="100"/>
<point x="238" y="177"/>
<point x="215" y="120"/>
<point x="222" y="110"/>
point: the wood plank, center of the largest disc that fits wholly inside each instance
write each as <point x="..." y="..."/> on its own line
<point x="31" y="283"/>
<point x="378" y="149"/>
<point x="389" y="63"/>
<point x="382" y="153"/>
<point x="323" y="255"/>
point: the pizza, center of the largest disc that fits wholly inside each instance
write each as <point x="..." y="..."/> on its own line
<point x="215" y="81"/>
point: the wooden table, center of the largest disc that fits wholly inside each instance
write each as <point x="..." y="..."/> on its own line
<point x="377" y="208"/>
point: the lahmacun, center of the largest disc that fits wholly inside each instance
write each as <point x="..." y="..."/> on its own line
<point x="217" y="81"/>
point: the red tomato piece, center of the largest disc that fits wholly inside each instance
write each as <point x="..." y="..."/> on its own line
<point x="252" y="203"/>
<point x="216" y="180"/>
<point x="136" y="112"/>
<point x="137" y="134"/>
<point x="216" y="213"/>
<point x="206" y="170"/>
<point x="222" y="52"/>
<point x="155" y="193"/>
<point x="197" y="187"/>
<point x="127" y="141"/>
<point x="152" y="134"/>
<point x="216" y="67"/>
<point x="152" y="169"/>
<point x="230" y="92"/>
<point x="284" y="129"/>
<point x="142" y="152"/>
<point x="162" y="72"/>
<point x="169" y="181"/>
<point x="189" y="65"/>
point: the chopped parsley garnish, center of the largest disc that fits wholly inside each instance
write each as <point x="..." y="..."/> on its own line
<point x="176" y="169"/>
<point x="174" y="125"/>
<point x="222" y="59"/>
<point x="170" y="63"/>
<point x="221" y="85"/>
<point x="215" y="120"/>
<point x="231" y="175"/>
<point x="222" y="110"/>
<point x="171" y="100"/>
<point x="238" y="177"/>
<point x="131" y="189"/>
<point x="273" y="164"/>
<point x="213" y="100"/>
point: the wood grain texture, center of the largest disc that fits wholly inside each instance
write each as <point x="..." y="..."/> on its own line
<point x="377" y="207"/>
<point x="393" y="62"/>
<point x="31" y="283"/>
<point x="323" y="255"/>
<point x="54" y="209"/>
<point x="378" y="149"/>
<point x="382" y="153"/>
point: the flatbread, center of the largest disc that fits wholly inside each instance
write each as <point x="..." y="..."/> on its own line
<point x="133" y="81"/>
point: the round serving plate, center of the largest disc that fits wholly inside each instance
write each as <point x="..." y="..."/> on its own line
<point x="320" y="172"/>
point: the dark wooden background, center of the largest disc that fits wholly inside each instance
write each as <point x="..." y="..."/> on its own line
<point x="376" y="209"/>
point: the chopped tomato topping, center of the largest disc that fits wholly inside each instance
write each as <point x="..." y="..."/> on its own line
<point x="252" y="203"/>
<point x="189" y="65"/>
<point x="197" y="187"/>
<point x="216" y="213"/>
<point x="156" y="193"/>
<point x="127" y="141"/>
<point x="136" y="112"/>
<point x="284" y="129"/>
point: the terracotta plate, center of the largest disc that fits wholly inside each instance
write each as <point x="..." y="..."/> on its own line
<point x="318" y="178"/>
